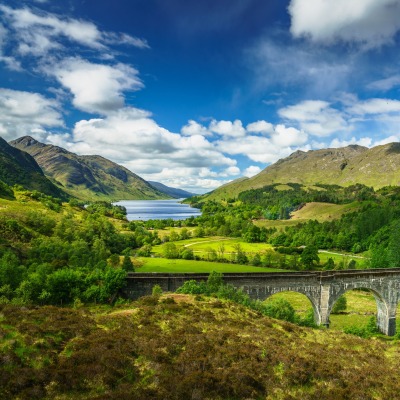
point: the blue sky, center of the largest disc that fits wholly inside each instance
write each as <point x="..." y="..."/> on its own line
<point x="195" y="93"/>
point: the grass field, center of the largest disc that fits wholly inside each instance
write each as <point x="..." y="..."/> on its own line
<point x="153" y="264"/>
<point x="338" y="257"/>
<point x="201" y="246"/>
<point x="316" y="211"/>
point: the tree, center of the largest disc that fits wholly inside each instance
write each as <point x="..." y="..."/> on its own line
<point x="280" y="309"/>
<point x="309" y="257"/>
<point x="170" y="250"/>
<point x="127" y="264"/>
<point x="340" y="305"/>
<point x="330" y="264"/>
<point x="114" y="260"/>
<point x="221" y="250"/>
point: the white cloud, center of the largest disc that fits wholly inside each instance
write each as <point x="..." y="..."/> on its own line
<point x="256" y="148"/>
<point x="228" y="128"/>
<point x="368" y="22"/>
<point x="24" y="113"/>
<point x="38" y="33"/>
<point x="251" y="171"/>
<point x="130" y="137"/>
<point x="194" y="128"/>
<point x="364" y="141"/>
<point x="390" y="139"/>
<point x="283" y="136"/>
<point x="385" y="84"/>
<point x="315" y="117"/>
<point x="96" y="87"/>
<point x="375" y="106"/>
<point x="262" y="127"/>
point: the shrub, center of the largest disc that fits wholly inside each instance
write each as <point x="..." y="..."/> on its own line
<point x="280" y="309"/>
<point x="340" y="305"/>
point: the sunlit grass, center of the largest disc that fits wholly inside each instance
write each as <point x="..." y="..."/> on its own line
<point x="154" y="264"/>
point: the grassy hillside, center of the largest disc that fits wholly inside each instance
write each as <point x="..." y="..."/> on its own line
<point x="87" y="177"/>
<point x="376" y="167"/>
<point x="323" y="211"/>
<point x="19" y="168"/>
<point x="181" y="347"/>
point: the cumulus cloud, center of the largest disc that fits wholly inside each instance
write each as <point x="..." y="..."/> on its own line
<point x="288" y="136"/>
<point x="364" y="141"/>
<point x="23" y="113"/>
<point x="37" y="33"/>
<point x="262" y="127"/>
<point x="256" y="148"/>
<point x="251" y="171"/>
<point x="228" y="128"/>
<point x="96" y="88"/>
<point x="194" y="128"/>
<point x="367" y="22"/>
<point x="315" y="117"/>
<point x="130" y="137"/>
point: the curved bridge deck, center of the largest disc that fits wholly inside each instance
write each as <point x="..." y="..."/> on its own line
<point x="323" y="288"/>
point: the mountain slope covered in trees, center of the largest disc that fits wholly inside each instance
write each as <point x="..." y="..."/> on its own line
<point x="376" y="167"/>
<point x="87" y="177"/>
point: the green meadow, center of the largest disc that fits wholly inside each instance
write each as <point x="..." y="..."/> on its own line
<point x="156" y="264"/>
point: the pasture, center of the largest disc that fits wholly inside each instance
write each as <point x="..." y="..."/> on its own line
<point x="155" y="264"/>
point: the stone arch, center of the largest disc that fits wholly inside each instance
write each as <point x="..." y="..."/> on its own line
<point x="314" y="302"/>
<point x="382" y="315"/>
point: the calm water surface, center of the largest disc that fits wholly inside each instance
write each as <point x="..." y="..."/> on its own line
<point x="158" y="209"/>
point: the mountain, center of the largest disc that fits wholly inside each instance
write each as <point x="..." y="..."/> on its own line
<point x="87" y="177"/>
<point x="19" y="168"/>
<point x="170" y="191"/>
<point x="377" y="167"/>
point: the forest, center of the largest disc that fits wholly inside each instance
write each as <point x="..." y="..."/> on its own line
<point x="60" y="253"/>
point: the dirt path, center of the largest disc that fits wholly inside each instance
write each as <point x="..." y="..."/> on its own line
<point x="340" y="254"/>
<point x="205" y="241"/>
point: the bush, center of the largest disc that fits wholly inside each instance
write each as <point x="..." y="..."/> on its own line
<point x="340" y="305"/>
<point x="280" y="309"/>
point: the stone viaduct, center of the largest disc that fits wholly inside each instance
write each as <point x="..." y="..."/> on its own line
<point x="322" y="288"/>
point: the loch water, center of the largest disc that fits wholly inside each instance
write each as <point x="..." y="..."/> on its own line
<point x="157" y="209"/>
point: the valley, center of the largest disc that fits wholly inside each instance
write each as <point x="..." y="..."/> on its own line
<point x="70" y="256"/>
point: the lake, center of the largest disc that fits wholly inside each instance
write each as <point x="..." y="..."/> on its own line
<point x="157" y="209"/>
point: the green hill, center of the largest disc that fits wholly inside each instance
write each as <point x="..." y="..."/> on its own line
<point x="19" y="168"/>
<point x="87" y="177"/>
<point x="376" y="167"/>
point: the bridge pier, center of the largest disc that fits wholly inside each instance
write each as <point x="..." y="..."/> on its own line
<point x="386" y="319"/>
<point x="324" y="308"/>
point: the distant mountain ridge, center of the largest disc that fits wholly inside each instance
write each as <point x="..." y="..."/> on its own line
<point x="377" y="167"/>
<point x="173" y="192"/>
<point x="19" y="168"/>
<point x="87" y="177"/>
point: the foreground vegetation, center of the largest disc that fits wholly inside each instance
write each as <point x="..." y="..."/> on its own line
<point x="180" y="346"/>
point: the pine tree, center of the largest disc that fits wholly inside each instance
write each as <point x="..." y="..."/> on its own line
<point x="127" y="264"/>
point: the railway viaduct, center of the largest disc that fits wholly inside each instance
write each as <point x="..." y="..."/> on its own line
<point x="322" y="288"/>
